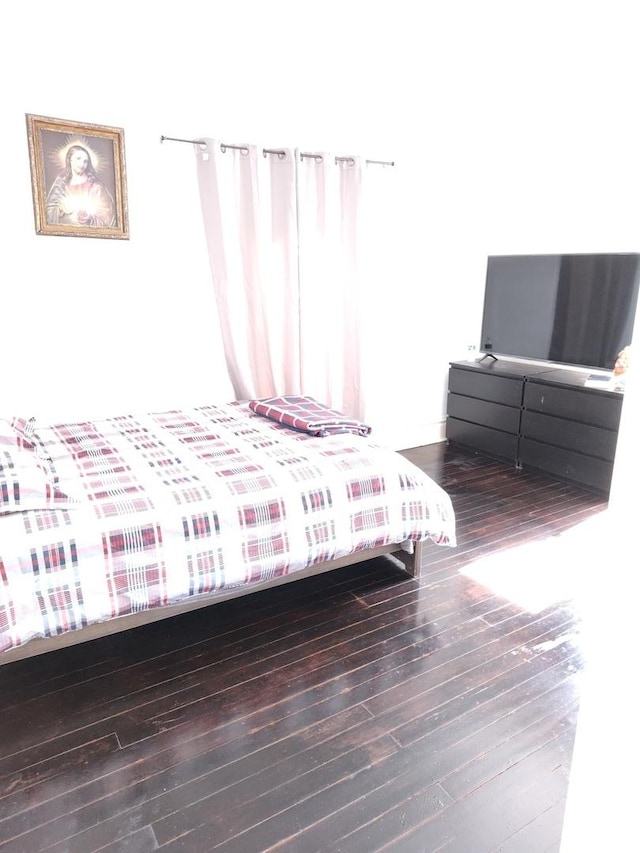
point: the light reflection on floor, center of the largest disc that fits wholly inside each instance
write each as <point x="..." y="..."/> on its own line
<point x="593" y="565"/>
<point x="545" y="572"/>
<point x="602" y="797"/>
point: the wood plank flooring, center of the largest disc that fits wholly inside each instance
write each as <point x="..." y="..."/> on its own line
<point x="359" y="711"/>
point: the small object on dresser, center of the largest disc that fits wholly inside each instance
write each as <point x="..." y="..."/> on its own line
<point x="621" y="369"/>
<point x="623" y="361"/>
<point x="598" y="380"/>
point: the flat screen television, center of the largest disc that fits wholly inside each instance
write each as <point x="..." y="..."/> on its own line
<point x="575" y="310"/>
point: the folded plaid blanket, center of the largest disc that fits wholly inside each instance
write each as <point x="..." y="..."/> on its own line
<point x="307" y="415"/>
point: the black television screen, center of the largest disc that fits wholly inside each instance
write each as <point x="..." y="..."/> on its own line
<point x="573" y="310"/>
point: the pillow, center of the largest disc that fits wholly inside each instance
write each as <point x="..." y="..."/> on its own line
<point x="8" y="434"/>
<point x="26" y="483"/>
<point x="24" y="426"/>
<point x="17" y="431"/>
<point x="20" y="434"/>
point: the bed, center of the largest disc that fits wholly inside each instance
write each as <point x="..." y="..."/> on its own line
<point x="106" y="524"/>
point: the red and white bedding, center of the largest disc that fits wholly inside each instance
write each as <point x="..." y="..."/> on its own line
<point x="107" y="517"/>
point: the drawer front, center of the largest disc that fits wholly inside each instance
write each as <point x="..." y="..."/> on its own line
<point x="493" y="415"/>
<point x="584" y="470"/>
<point x="491" y="441"/>
<point x="601" y="410"/>
<point x="587" y="439"/>
<point x="497" y="389"/>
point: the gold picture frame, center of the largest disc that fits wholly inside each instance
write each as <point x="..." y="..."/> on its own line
<point x="78" y="178"/>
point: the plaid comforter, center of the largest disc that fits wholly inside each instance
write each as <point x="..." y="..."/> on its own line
<point x="144" y="510"/>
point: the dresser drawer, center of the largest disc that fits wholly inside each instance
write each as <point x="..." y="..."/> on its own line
<point x="572" y="435"/>
<point x="587" y="407"/>
<point x="483" y="412"/>
<point x="498" y="389"/>
<point x="567" y="464"/>
<point x="481" y="438"/>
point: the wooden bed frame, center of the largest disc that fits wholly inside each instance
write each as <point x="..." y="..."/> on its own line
<point x="411" y="562"/>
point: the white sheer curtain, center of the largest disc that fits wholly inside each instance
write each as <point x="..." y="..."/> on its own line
<point x="385" y="322"/>
<point x="349" y="282"/>
<point x="248" y="202"/>
<point x="296" y="243"/>
<point x="329" y="191"/>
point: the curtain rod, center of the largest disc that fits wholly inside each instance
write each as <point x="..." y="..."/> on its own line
<point x="280" y="153"/>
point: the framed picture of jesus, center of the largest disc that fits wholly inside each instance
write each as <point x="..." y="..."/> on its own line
<point x="78" y="178"/>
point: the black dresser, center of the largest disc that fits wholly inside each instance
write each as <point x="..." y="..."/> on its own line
<point x="536" y="417"/>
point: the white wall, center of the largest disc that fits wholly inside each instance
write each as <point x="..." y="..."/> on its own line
<point x="512" y="126"/>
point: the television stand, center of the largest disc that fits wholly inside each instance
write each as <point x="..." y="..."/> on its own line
<point x="537" y="417"/>
<point x="487" y="355"/>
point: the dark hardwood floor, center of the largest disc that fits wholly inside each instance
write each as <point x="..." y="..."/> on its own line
<point x="357" y="711"/>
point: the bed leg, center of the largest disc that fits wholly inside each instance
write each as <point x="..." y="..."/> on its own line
<point x="412" y="562"/>
<point x="418" y="555"/>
